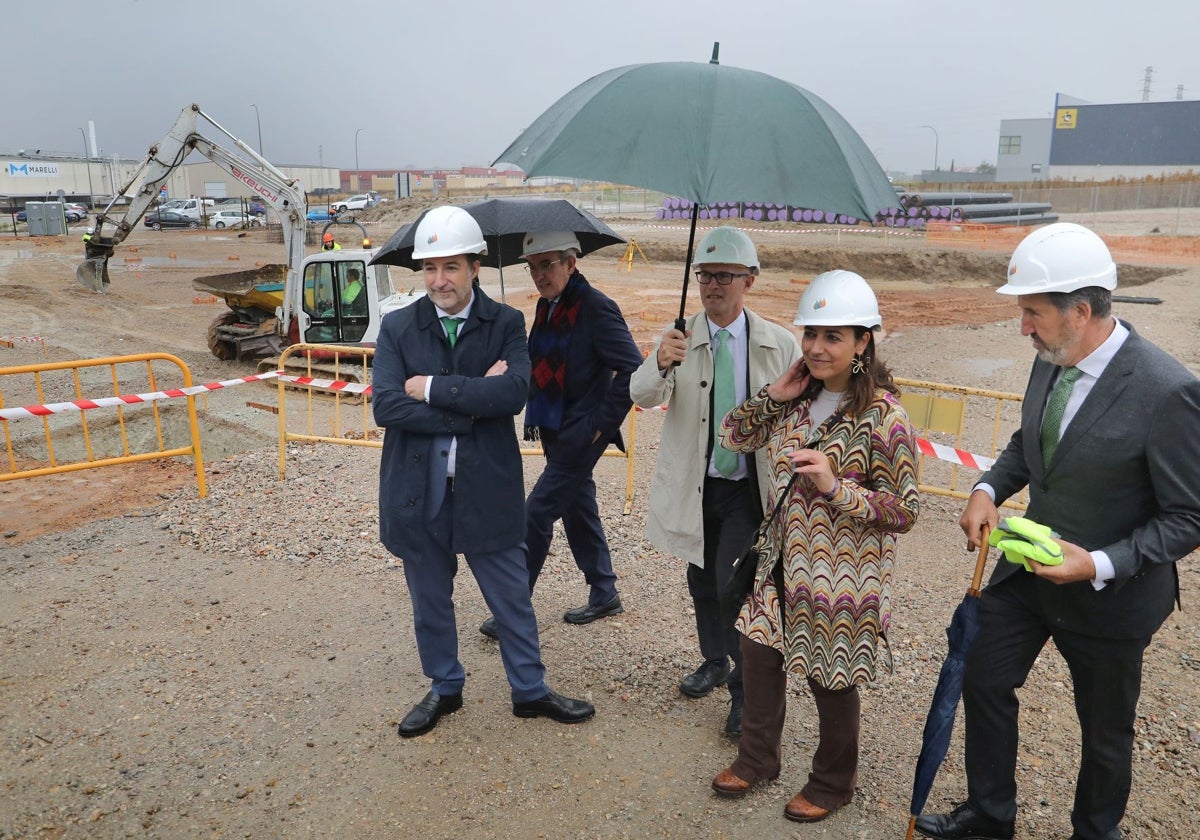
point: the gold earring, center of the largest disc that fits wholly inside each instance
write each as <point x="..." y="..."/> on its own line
<point x="858" y="364"/>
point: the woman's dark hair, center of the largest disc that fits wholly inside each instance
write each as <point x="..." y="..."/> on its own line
<point x="861" y="392"/>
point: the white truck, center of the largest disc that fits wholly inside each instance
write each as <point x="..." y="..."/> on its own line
<point x="273" y="306"/>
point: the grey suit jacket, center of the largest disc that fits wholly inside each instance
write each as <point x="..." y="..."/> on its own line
<point x="1125" y="479"/>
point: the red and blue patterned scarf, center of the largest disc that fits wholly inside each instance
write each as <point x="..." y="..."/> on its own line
<point x="549" y="341"/>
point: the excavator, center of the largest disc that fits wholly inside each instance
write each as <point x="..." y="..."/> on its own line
<point x="330" y="297"/>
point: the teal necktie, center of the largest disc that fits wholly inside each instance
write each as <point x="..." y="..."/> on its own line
<point x="451" y="325"/>
<point x="1056" y="406"/>
<point x="723" y="401"/>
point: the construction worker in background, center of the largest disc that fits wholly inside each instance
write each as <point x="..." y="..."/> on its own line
<point x="87" y="237"/>
<point x="354" y="302"/>
<point x="327" y="243"/>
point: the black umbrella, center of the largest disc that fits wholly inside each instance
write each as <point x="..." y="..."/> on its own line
<point x="504" y="222"/>
<point x="935" y="740"/>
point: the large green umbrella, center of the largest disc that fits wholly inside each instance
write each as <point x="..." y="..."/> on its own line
<point x="709" y="133"/>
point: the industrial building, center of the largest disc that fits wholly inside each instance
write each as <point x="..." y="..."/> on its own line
<point x="1084" y="141"/>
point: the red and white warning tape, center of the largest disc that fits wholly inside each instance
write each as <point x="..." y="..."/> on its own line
<point x="126" y="399"/>
<point x="32" y="339"/>
<point x="135" y="399"/>
<point x="954" y="456"/>
<point x="927" y="448"/>
<point x="327" y="384"/>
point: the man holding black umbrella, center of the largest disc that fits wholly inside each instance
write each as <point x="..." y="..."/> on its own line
<point x="1109" y="450"/>
<point x="582" y="356"/>
<point x="708" y="527"/>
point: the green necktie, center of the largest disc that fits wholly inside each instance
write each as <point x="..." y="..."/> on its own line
<point x="1056" y="406"/>
<point x="723" y="401"/>
<point x="451" y="325"/>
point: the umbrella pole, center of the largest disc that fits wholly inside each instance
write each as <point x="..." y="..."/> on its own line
<point x="500" y="265"/>
<point x="680" y="323"/>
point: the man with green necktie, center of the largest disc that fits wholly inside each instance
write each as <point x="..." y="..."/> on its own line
<point x="1109" y="450"/>
<point x="706" y="501"/>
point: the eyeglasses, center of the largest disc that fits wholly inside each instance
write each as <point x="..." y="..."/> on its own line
<point x="723" y="278"/>
<point x="543" y="266"/>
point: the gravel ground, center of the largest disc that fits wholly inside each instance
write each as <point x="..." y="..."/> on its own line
<point x="236" y="665"/>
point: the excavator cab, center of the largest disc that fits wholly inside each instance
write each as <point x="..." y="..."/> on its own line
<point x="335" y="301"/>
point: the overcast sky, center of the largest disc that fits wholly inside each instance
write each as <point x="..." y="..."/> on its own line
<point x="446" y="84"/>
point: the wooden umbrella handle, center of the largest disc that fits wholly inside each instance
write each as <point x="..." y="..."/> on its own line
<point x="977" y="578"/>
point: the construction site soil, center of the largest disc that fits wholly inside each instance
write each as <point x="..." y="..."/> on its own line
<point x="235" y="665"/>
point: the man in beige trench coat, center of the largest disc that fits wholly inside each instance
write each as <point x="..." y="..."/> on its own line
<point x="706" y="503"/>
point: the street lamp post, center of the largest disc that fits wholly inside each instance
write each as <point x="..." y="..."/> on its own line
<point x="258" y="122"/>
<point x="87" y="159"/>
<point x="935" y="145"/>
<point x="357" y="174"/>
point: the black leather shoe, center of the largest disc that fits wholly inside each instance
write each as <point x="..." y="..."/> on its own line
<point x="733" y="723"/>
<point x="424" y="716"/>
<point x="556" y="707"/>
<point x="964" y="823"/>
<point x="705" y="678"/>
<point x="488" y="628"/>
<point x="587" y="613"/>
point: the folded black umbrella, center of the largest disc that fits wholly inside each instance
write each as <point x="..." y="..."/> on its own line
<point x="939" y="724"/>
<point x="504" y="222"/>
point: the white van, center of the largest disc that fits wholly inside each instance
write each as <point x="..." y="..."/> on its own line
<point x="189" y="207"/>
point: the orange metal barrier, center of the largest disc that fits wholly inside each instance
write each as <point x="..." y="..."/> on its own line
<point x="972" y="419"/>
<point x="68" y="441"/>
<point x="347" y="414"/>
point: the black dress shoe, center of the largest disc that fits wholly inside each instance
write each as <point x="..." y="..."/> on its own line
<point x="705" y="678"/>
<point x="587" y="613"/>
<point x="424" y="716"/>
<point x="733" y="723"/>
<point x="964" y="823"/>
<point x="488" y="628"/>
<point x="556" y="707"/>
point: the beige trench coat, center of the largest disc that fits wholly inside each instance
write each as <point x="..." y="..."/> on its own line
<point x="674" y="522"/>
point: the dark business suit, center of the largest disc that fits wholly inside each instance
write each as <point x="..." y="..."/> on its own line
<point x="1123" y="480"/>
<point x="424" y="519"/>
<point x="600" y="359"/>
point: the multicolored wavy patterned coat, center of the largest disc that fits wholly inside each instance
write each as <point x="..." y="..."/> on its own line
<point x="838" y="552"/>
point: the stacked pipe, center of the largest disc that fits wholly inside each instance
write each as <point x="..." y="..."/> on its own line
<point x="756" y="211"/>
<point x="916" y="210"/>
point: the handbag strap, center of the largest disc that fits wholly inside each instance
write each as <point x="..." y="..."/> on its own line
<point x="808" y="443"/>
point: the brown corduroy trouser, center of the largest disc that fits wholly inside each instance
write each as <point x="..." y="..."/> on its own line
<point x="835" y="764"/>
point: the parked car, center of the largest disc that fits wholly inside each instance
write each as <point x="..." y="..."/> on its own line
<point x="232" y="218"/>
<point x="74" y="215"/>
<point x="354" y="202"/>
<point x="318" y="214"/>
<point x="160" y="219"/>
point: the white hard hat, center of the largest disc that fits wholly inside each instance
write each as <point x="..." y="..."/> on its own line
<point x="548" y="240"/>
<point x="838" y="299"/>
<point x="726" y="245"/>
<point x="1062" y="257"/>
<point x="446" y="232"/>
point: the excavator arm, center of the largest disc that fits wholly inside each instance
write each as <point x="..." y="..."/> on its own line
<point x="276" y="190"/>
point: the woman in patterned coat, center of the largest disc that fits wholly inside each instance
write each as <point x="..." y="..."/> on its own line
<point x="823" y="611"/>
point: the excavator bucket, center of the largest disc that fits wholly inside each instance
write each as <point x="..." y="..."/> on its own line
<point x="92" y="273"/>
